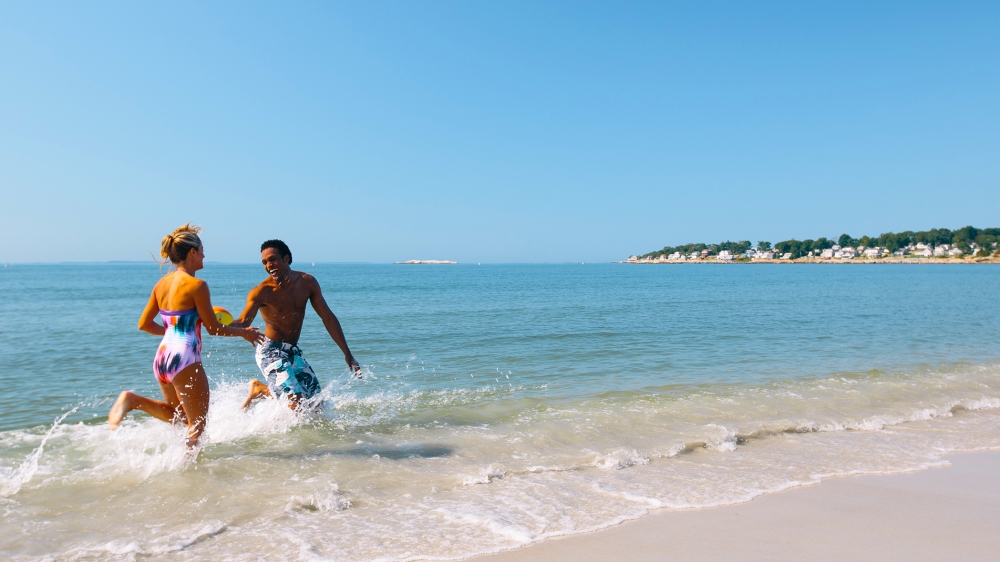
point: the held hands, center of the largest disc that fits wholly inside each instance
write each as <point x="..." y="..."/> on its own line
<point x="252" y="335"/>
<point x="355" y="368"/>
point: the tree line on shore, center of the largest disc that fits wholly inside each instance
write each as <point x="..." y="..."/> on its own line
<point x="963" y="238"/>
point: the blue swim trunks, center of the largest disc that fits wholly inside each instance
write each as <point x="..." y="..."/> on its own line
<point x="285" y="371"/>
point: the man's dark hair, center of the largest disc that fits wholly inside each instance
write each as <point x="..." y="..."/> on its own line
<point x="280" y="246"/>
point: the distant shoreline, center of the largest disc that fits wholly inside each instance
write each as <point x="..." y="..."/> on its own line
<point x="426" y="262"/>
<point x="915" y="261"/>
<point x="966" y="242"/>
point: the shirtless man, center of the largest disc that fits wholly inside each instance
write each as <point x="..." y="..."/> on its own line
<point x="281" y="300"/>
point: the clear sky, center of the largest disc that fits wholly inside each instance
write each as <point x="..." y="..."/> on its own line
<point x="493" y="132"/>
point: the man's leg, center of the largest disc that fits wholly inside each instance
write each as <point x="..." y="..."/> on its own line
<point x="306" y="384"/>
<point x="257" y="390"/>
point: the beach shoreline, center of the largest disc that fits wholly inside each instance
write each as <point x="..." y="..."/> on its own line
<point x="941" y="513"/>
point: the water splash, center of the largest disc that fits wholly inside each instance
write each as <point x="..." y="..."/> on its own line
<point x="12" y="482"/>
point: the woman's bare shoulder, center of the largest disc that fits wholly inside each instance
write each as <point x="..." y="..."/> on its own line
<point x="164" y="283"/>
<point x="176" y="288"/>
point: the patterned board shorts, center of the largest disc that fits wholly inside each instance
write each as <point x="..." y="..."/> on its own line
<point x="285" y="371"/>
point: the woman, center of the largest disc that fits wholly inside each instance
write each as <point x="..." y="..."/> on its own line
<point x="183" y="302"/>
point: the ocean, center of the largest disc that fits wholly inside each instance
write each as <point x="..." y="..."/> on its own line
<point x="500" y="405"/>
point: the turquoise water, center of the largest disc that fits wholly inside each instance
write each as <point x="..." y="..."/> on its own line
<point x="502" y="404"/>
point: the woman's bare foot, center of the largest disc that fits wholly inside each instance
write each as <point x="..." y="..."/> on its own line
<point x="122" y="406"/>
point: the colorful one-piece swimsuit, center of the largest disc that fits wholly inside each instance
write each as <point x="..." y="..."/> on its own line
<point x="181" y="345"/>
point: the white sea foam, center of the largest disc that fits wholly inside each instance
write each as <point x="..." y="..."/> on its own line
<point x="721" y="439"/>
<point x="485" y="476"/>
<point x="327" y="500"/>
<point x="129" y="550"/>
<point x="496" y="525"/>
<point x="11" y="481"/>
<point x="429" y="474"/>
<point x="619" y="459"/>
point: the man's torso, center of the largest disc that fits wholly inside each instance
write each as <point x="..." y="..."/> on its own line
<point x="283" y="306"/>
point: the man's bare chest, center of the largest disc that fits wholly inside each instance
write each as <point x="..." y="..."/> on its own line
<point x="284" y="300"/>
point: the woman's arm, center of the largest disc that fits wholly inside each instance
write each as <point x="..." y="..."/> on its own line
<point x="146" y="321"/>
<point x="203" y="302"/>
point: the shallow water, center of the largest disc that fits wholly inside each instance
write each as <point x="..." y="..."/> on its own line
<point x="501" y="404"/>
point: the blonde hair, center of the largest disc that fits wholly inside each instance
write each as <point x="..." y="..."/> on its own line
<point x="176" y="245"/>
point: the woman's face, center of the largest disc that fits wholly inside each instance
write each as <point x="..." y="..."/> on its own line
<point x="195" y="259"/>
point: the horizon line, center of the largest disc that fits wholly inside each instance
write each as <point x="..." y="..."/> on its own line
<point x="144" y="262"/>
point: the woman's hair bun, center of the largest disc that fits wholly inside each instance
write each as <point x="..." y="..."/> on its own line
<point x="176" y="245"/>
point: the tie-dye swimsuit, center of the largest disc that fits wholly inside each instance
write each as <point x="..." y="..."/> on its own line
<point x="181" y="345"/>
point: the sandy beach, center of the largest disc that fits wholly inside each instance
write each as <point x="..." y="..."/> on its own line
<point x="947" y="513"/>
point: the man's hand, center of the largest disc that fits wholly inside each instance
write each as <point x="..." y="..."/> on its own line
<point x="355" y="368"/>
<point x="253" y="335"/>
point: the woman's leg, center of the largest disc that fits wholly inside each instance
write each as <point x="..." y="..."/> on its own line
<point x="165" y="409"/>
<point x="170" y="397"/>
<point x="191" y="385"/>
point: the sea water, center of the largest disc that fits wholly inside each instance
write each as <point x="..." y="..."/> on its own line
<point x="500" y="404"/>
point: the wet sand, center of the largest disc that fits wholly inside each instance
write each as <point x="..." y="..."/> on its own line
<point x="947" y="513"/>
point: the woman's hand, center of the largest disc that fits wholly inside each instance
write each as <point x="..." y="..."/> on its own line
<point x="252" y="335"/>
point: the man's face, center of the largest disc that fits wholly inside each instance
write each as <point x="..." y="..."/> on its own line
<point x="274" y="264"/>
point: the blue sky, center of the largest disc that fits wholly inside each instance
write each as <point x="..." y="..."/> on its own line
<point x="503" y="132"/>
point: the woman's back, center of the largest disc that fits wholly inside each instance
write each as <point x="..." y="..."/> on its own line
<point x="176" y="291"/>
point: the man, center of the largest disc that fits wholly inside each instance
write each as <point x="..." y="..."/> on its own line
<point x="281" y="300"/>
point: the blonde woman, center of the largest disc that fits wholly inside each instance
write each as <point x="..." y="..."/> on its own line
<point x="184" y="304"/>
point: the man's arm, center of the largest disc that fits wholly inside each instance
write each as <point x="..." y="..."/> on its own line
<point x="203" y="303"/>
<point x="331" y="323"/>
<point x="250" y="310"/>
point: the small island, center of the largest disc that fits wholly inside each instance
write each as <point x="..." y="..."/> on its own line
<point x="939" y="245"/>
<point x="427" y="262"/>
